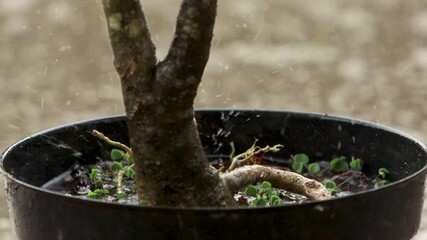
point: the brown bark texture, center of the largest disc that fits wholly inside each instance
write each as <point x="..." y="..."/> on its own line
<point x="289" y="181"/>
<point x="171" y="166"/>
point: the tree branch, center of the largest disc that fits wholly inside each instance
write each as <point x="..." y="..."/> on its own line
<point x="134" y="51"/>
<point x="289" y="181"/>
<point x="189" y="51"/>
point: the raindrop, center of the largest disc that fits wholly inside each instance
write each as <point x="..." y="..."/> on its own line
<point x="64" y="48"/>
<point x="14" y="127"/>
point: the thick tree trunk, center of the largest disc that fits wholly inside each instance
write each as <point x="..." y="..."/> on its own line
<point x="171" y="166"/>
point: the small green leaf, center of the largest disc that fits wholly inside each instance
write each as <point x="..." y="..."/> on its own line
<point x="116" y="166"/>
<point x="338" y="165"/>
<point x="332" y="187"/>
<point x="275" y="200"/>
<point x="297" y="167"/>
<point x="278" y="202"/>
<point x="129" y="159"/>
<point x="259" y="202"/>
<point x="313" y="168"/>
<point x="100" y="191"/>
<point x="94" y="173"/>
<point x="250" y="191"/>
<point x="92" y="195"/>
<point x="96" y="176"/>
<point x="98" y="182"/>
<point x="97" y="193"/>
<point x="121" y="195"/>
<point x="116" y="154"/>
<point x="266" y="185"/>
<point x="129" y="172"/>
<point x="356" y="164"/>
<point x="301" y="158"/>
<point x="383" y="182"/>
<point x="383" y="172"/>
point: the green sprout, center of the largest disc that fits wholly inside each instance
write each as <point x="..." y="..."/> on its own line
<point x="96" y="176"/>
<point x="97" y="193"/>
<point x="116" y="166"/>
<point x="356" y="164"/>
<point x="121" y="195"/>
<point x="299" y="161"/>
<point x="314" y="168"/>
<point x="338" y="165"/>
<point x="332" y="187"/>
<point x="264" y="195"/>
<point x="129" y="172"/>
<point x="383" y="172"/>
<point x="120" y="169"/>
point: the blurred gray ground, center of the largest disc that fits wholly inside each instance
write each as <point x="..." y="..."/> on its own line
<point x="361" y="58"/>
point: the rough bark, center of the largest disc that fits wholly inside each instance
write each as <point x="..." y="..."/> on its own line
<point x="289" y="181"/>
<point x="171" y="166"/>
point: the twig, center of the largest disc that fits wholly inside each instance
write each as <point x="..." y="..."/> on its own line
<point x="242" y="158"/>
<point x="120" y="178"/>
<point x="120" y="145"/>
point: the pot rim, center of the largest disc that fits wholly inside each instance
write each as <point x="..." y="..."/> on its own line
<point x="323" y="116"/>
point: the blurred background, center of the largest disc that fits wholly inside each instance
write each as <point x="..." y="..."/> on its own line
<point x="360" y="58"/>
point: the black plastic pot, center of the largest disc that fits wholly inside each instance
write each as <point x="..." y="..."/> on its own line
<point x="391" y="212"/>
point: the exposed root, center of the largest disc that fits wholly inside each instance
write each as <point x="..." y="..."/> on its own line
<point x="289" y="181"/>
<point x="118" y="145"/>
<point x="247" y="158"/>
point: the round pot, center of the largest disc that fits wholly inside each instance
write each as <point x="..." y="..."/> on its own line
<point x="390" y="212"/>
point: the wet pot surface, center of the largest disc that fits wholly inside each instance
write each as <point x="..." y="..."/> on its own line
<point x="391" y="212"/>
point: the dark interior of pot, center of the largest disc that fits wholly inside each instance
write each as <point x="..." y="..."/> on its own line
<point x="41" y="157"/>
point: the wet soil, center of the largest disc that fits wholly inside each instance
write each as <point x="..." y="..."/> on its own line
<point x="360" y="58"/>
<point x="79" y="181"/>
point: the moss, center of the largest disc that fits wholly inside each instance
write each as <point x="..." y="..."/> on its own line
<point x="115" y="21"/>
<point x="134" y="29"/>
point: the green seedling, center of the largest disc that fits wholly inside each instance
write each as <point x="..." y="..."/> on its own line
<point x="116" y="166"/>
<point x="264" y="195"/>
<point x="120" y="155"/>
<point x="97" y="193"/>
<point x="332" y="187"/>
<point x="338" y="165"/>
<point x="121" y="195"/>
<point x="299" y="161"/>
<point x="356" y="164"/>
<point x="117" y="154"/>
<point x="129" y="172"/>
<point x="313" y="168"/>
<point x="383" y="172"/>
<point x="96" y="176"/>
